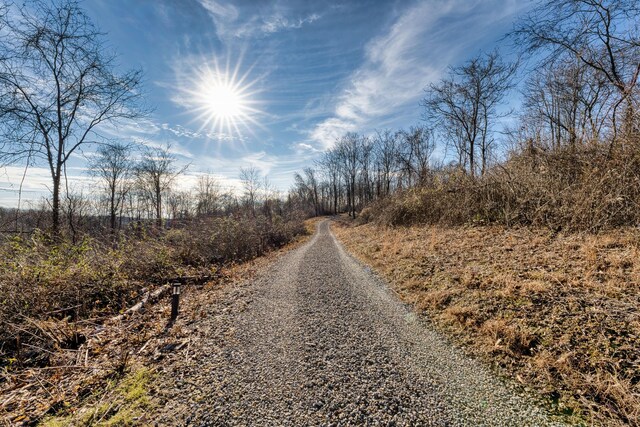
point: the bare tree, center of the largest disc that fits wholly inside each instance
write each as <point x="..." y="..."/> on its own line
<point x="415" y="153"/>
<point x="349" y="149"/>
<point x="156" y="174"/>
<point x="330" y="165"/>
<point x="464" y="106"/>
<point x="270" y="197"/>
<point x="180" y="204"/>
<point x="250" y="178"/>
<point x="57" y="86"/>
<point x="602" y="34"/>
<point x="207" y="195"/>
<point x="4" y="9"/>
<point x="456" y="117"/>
<point x="307" y="187"/>
<point x="76" y="207"/>
<point x="114" y="167"/>
<point x="565" y="103"/>
<point x="365" y="163"/>
<point x="386" y="152"/>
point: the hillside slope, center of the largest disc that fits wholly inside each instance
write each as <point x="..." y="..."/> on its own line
<point x="557" y="312"/>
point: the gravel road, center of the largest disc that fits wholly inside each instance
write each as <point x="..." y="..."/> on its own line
<point x="320" y="340"/>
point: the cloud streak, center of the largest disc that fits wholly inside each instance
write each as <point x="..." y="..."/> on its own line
<point x="37" y="184"/>
<point x="231" y="21"/>
<point x="414" y="51"/>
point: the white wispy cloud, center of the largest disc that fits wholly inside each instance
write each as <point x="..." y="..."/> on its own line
<point x="220" y="10"/>
<point x="37" y="184"/>
<point x="412" y="53"/>
<point x="230" y="22"/>
<point x="273" y="24"/>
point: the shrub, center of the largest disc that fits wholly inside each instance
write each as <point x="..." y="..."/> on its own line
<point x="45" y="287"/>
<point x="584" y="189"/>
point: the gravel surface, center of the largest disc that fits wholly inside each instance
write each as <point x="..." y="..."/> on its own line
<point x="320" y="340"/>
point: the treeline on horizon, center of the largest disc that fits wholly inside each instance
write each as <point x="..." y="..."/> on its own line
<point x="570" y="158"/>
<point x="136" y="190"/>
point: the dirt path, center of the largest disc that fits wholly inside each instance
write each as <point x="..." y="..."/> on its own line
<point x="320" y="340"/>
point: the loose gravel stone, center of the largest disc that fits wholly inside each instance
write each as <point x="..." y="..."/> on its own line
<point x="320" y="340"/>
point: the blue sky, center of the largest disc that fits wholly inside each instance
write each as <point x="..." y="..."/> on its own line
<point x="310" y="71"/>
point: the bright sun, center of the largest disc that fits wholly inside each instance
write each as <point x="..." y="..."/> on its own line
<point x="222" y="100"/>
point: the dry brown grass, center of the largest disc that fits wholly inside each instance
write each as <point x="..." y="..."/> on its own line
<point x="76" y="380"/>
<point x="560" y="313"/>
<point x="587" y="188"/>
<point x="67" y="282"/>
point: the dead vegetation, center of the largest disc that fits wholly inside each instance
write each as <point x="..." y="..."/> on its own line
<point x="558" y="312"/>
<point x="62" y="339"/>
<point x="573" y="189"/>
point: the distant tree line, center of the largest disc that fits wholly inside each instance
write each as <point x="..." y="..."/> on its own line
<point x="360" y="169"/>
<point x="138" y="187"/>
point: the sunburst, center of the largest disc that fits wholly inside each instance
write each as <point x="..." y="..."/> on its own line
<point x="222" y="100"/>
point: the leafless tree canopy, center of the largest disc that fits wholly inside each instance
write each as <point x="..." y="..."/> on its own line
<point x="57" y="87"/>
<point x="156" y="173"/>
<point x="463" y="107"/>
<point x="603" y="36"/>
<point x="114" y="167"/>
<point x="250" y="178"/>
<point x="208" y="196"/>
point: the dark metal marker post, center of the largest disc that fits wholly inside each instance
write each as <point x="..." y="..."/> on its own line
<point x="175" y="300"/>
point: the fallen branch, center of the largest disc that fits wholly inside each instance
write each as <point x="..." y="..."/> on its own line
<point x="63" y="309"/>
<point x="153" y="296"/>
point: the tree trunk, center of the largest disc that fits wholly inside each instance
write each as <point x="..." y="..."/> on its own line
<point x="55" y="211"/>
<point x="472" y="160"/>
<point x="629" y="129"/>
<point x="159" y="208"/>
<point x="353" y="198"/>
<point x="112" y="221"/>
<point x="112" y="210"/>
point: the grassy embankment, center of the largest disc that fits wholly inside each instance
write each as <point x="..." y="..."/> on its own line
<point x="559" y="313"/>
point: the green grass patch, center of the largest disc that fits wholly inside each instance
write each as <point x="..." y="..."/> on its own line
<point x="123" y="403"/>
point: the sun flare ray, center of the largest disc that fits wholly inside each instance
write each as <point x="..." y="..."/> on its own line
<point x="222" y="99"/>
